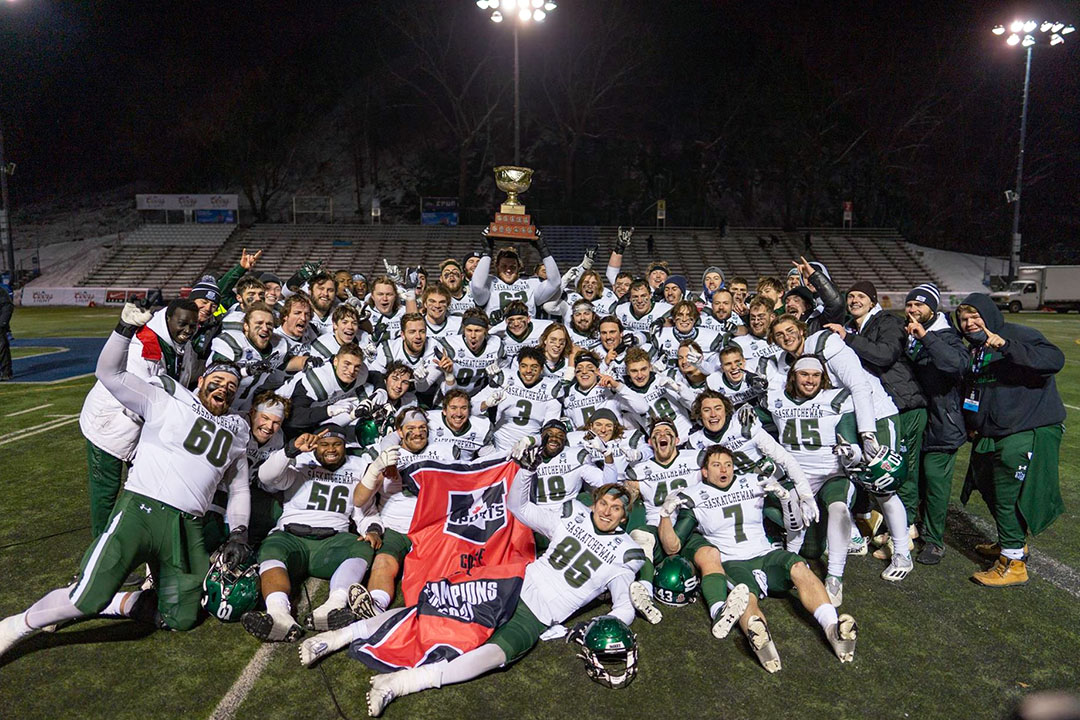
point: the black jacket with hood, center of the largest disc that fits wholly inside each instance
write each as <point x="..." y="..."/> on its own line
<point x="1015" y="384"/>
<point x="940" y="360"/>
<point x="880" y="344"/>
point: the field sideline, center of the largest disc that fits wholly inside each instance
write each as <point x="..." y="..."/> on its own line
<point x="932" y="646"/>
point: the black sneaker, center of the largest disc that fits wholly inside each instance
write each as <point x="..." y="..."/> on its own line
<point x="931" y="554"/>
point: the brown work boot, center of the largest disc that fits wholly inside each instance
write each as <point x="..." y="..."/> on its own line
<point x="1004" y="573"/>
<point x="993" y="550"/>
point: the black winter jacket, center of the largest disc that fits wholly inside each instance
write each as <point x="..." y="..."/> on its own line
<point x="880" y="344"/>
<point x="832" y="308"/>
<point x="1014" y="384"/>
<point x="940" y="360"/>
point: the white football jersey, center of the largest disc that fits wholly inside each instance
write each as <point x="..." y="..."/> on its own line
<point x="318" y="496"/>
<point x="386" y="327"/>
<point x="502" y="294"/>
<point x="579" y="564"/>
<point x="561" y="478"/>
<point x="757" y="351"/>
<point x="450" y="327"/>
<point x="468" y="365"/>
<point x="666" y="344"/>
<point x="732" y="520"/>
<point x="656" y="481"/>
<point x="458" y="306"/>
<point x="512" y="343"/>
<point x="475" y="435"/>
<point x="326" y="345"/>
<point x="235" y="347"/>
<point x="737" y="394"/>
<point x="184" y="451"/>
<point x="523" y="409"/>
<point x="642" y="326"/>
<point x="662" y="405"/>
<point x="809" y="429"/>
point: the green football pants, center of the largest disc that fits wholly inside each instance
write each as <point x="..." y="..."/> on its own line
<point x="912" y="424"/>
<point x="105" y="474"/>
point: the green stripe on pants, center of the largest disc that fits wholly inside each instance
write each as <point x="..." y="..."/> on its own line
<point x="912" y="425"/>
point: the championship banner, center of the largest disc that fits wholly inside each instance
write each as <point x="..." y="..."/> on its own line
<point x="464" y="572"/>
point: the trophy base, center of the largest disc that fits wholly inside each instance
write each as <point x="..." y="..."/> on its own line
<point x="514" y="226"/>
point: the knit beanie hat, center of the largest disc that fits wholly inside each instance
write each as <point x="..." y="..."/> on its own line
<point x="926" y="293"/>
<point x="205" y="289"/>
<point x="866" y="288"/>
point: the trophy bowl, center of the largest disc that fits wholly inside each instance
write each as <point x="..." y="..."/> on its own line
<point x="513" y="180"/>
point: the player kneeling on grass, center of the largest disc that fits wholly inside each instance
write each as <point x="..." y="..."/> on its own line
<point x="728" y="509"/>
<point x="188" y="444"/>
<point x="312" y="536"/>
<point x="589" y="553"/>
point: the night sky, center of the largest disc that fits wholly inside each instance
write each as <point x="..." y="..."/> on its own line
<point x="95" y="95"/>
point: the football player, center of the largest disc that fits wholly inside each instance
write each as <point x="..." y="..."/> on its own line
<point x="523" y="402"/>
<point x="456" y="423"/>
<point x="452" y="276"/>
<point x="584" y="390"/>
<point x="561" y="470"/>
<point x="518" y="329"/>
<point x="733" y="380"/>
<point x="718" y="315"/>
<point x="473" y="351"/>
<point x="641" y="315"/>
<point x="415" y="350"/>
<point x="684" y="327"/>
<point x="495" y="293"/>
<point x="295" y="328"/>
<point x="328" y="393"/>
<point x="660" y="392"/>
<point x="584" y="325"/>
<point x="727" y="509"/>
<point x="249" y="290"/>
<point x="387" y="309"/>
<point x="346" y="330"/>
<point x="323" y="295"/>
<point x="311" y="538"/>
<point x="756" y="344"/>
<point x="435" y="302"/>
<point x="189" y="442"/>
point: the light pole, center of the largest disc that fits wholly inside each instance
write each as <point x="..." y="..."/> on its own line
<point x="519" y="12"/>
<point x="1023" y="33"/>
<point x="5" y="214"/>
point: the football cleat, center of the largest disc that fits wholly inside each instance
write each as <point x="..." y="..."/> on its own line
<point x="379" y="696"/>
<point x="898" y="568"/>
<point x="12" y="630"/>
<point x="733" y="608"/>
<point x="361" y="603"/>
<point x="842" y="637"/>
<point x="643" y="603"/>
<point x="268" y="628"/>
<point x="834" y="586"/>
<point x="857" y="546"/>
<point x="315" y="648"/>
<point x="762" y="643"/>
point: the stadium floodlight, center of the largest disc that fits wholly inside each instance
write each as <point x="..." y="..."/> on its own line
<point x="524" y="11"/>
<point x="1028" y="41"/>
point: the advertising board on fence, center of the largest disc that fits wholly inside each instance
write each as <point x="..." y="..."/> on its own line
<point x="83" y="296"/>
<point x="187" y="202"/>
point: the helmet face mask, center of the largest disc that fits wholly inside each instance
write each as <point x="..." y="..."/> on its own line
<point x="610" y="652"/>
<point x="676" y="583"/>
<point x="229" y="592"/>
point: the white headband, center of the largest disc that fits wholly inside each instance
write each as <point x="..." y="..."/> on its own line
<point x="273" y="408"/>
<point x="414" y="415"/>
<point x="809" y="362"/>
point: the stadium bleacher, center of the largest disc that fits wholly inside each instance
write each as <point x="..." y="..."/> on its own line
<point x="174" y="256"/>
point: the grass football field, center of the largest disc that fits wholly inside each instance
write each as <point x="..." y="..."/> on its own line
<point x="934" y="646"/>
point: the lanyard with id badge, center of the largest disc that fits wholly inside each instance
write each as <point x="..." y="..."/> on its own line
<point x="979" y="360"/>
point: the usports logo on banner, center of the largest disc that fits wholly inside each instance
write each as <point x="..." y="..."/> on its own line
<point x="476" y="515"/>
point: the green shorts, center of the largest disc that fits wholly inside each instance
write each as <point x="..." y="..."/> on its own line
<point x="519" y="634"/>
<point x="835" y="489"/>
<point x="692" y="544"/>
<point x="395" y="544"/>
<point x="142" y="530"/>
<point x="770" y="573"/>
<point x="307" y="557"/>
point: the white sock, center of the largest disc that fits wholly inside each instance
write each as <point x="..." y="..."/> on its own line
<point x="839" y="537"/>
<point x="277" y="603"/>
<point x="1013" y="554"/>
<point x="381" y="599"/>
<point x="648" y="586"/>
<point x="892" y="508"/>
<point x="795" y="541"/>
<point x="825" y="615"/>
<point x="348" y="572"/>
<point x="470" y="665"/>
<point x="121" y="603"/>
<point x="55" y="607"/>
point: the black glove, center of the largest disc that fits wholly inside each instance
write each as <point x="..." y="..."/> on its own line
<point x="254" y="368"/>
<point x="236" y="549"/>
<point x="489" y="243"/>
<point x="411" y="278"/>
<point x="628" y="341"/>
<point x="757" y="383"/>
<point x="576" y="634"/>
<point x="495" y="317"/>
<point x="301" y="276"/>
<point x="622" y="240"/>
<point x="541" y="246"/>
<point x="314" y="361"/>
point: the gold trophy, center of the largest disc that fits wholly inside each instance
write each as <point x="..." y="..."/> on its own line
<point x="511" y="220"/>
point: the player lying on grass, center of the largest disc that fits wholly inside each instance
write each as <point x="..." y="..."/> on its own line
<point x="728" y="510"/>
<point x="188" y="444"/>
<point x="589" y="553"/>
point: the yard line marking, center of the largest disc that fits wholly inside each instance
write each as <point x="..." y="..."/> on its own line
<point x="23" y="412"/>
<point x="1056" y="573"/>
<point x="226" y="709"/>
<point x="1071" y="407"/>
<point x="35" y="429"/>
<point x="48" y="382"/>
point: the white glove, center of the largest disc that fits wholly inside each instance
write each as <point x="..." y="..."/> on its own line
<point x="387" y="458"/>
<point x="672" y="503"/>
<point x="746" y="414"/>
<point x="495" y="397"/>
<point x="869" y="443"/>
<point x="595" y="446"/>
<point x="392" y="272"/>
<point x="132" y="314"/>
<point x="770" y="484"/>
<point x="808" y="507"/>
<point x="370" y="351"/>
<point x="845" y="452"/>
<point x="587" y="260"/>
<point x="343" y="407"/>
<point x="521" y="446"/>
<point x="694" y="357"/>
<point x="632" y="454"/>
<point x="493" y="370"/>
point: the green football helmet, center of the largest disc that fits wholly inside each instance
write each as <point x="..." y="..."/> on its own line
<point x="882" y="474"/>
<point x="229" y="592"/>
<point x="610" y="652"/>
<point x="675" y="583"/>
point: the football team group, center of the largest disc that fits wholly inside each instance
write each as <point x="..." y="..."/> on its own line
<point x="740" y="442"/>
